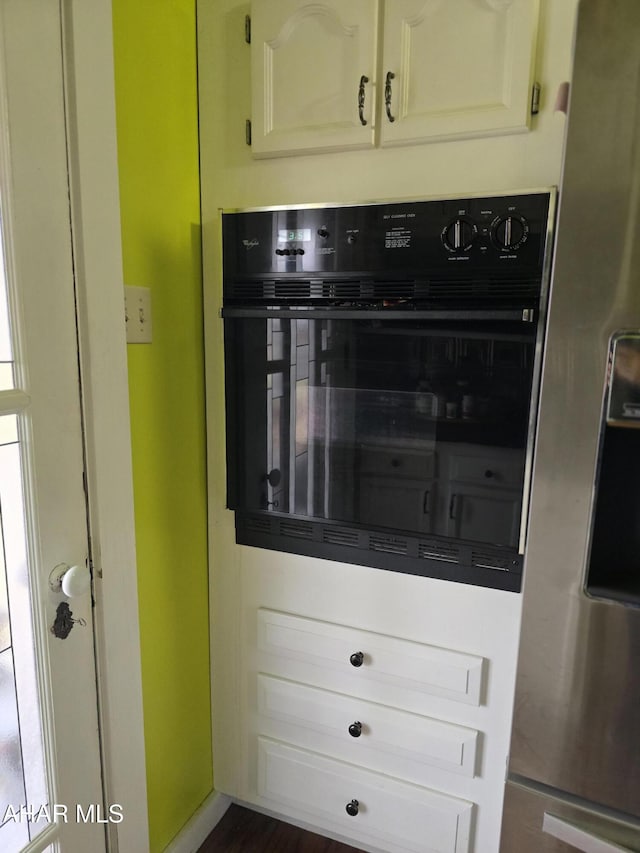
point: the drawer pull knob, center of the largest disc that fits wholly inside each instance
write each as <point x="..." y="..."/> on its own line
<point x="352" y="808"/>
<point x="355" y="729"/>
<point x="489" y="474"/>
<point x="357" y="659"/>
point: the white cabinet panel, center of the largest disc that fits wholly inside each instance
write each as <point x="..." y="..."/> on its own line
<point x="398" y="489"/>
<point x="377" y="728"/>
<point x="308" y="61"/>
<point x="387" y="660"/>
<point x="460" y="69"/>
<point x="483" y="500"/>
<point x="405" y="818"/>
<point x="477" y="513"/>
<point x="487" y="466"/>
<point x="400" y="504"/>
<point x="449" y="70"/>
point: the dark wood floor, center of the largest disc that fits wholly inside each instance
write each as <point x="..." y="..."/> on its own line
<point x="245" y="831"/>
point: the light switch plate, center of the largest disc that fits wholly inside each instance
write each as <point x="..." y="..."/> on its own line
<point x="137" y="314"/>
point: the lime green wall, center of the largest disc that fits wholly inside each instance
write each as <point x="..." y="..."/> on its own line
<point x="156" y="96"/>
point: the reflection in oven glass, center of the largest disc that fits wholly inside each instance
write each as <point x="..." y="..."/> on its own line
<point x="389" y="423"/>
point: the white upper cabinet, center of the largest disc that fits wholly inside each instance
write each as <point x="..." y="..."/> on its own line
<point x="313" y="69"/>
<point x="325" y="73"/>
<point x="460" y="69"/>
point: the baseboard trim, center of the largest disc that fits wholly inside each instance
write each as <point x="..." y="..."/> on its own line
<point x="194" y="833"/>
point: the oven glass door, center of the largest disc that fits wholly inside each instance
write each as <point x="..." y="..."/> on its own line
<point x="397" y="422"/>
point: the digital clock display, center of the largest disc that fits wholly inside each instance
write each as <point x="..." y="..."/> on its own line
<point x="295" y="235"/>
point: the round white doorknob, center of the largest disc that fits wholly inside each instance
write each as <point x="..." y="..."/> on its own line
<point x="73" y="581"/>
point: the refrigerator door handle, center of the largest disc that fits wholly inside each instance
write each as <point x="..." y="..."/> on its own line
<point x="579" y="838"/>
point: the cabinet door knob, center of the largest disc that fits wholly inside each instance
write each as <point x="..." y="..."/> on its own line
<point x="489" y="474"/>
<point x="274" y="477"/>
<point x="355" y="729"/>
<point x="357" y="659"/>
<point x="387" y="95"/>
<point x="352" y="808"/>
<point x="364" y="79"/>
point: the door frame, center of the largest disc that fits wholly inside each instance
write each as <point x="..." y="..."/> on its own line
<point x="87" y="40"/>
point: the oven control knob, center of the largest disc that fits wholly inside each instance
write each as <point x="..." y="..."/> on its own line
<point x="509" y="232"/>
<point x="351" y="239"/>
<point x="323" y="232"/>
<point x="459" y="235"/>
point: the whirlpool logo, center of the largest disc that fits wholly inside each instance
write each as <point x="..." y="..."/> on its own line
<point x="249" y="244"/>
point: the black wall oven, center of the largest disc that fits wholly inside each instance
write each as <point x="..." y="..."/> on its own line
<point x="382" y="366"/>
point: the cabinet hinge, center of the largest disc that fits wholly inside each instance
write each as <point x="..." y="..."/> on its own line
<point x="247" y="29"/>
<point x="535" y="99"/>
<point x="247" y="131"/>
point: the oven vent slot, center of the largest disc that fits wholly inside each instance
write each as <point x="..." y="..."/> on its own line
<point x="388" y="544"/>
<point x="485" y="560"/>
<point x="337" y="536"/>
<point x="437" y="551"/>
<point x="437" y="289"/>
<point x="248" y="291"/>
<point x="297" y="529"/>
<point x="483" y="288"/>
<point x="290" y="289"/>
<point x="256" y="524"/>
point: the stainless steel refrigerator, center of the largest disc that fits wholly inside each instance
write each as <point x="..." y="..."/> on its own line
<point x="574" y="766"/>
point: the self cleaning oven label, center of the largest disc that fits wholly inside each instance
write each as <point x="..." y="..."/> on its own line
<point x="398" y="234"/>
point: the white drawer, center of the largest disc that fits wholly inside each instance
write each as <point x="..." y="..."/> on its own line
<point x="397" y="462"/>
<point x="382" y="737"/>
<point x="385" y="660"/>
<point x="504" y="469"/>
<point x="403" y="818"/>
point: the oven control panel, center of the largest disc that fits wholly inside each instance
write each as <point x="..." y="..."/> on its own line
<point x="476" y="236"/>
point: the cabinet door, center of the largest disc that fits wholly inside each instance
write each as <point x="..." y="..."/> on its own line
<point x="397" y="503"/>
<point x="460" y="69"/>
<point x="485" y="515"/>
<point x="308" y="63"/>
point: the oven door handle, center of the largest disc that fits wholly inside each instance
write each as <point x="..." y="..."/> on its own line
<point x="526" y="315"/>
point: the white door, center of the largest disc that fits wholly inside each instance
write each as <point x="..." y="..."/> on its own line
<point x="49" y="737"/>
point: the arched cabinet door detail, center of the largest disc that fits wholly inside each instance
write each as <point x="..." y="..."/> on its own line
<point x="329" y="76"/>
<point x="313" y="74"/>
